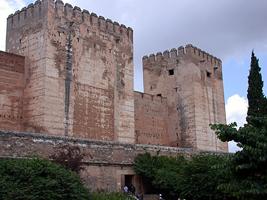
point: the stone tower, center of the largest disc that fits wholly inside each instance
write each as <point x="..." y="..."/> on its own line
<point x="191" y="81"/>
<point x="78" y="78"/>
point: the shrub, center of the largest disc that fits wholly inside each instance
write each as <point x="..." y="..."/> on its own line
<point x="195" y="178"/>
<point x="37" y="179"/>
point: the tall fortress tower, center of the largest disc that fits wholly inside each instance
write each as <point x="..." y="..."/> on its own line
<point x="72" y="76"/>
<point x="191" y="80"/>
<point x="78" y="72"/>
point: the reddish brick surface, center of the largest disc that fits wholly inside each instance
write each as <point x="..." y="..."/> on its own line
<point x="11" y="91"/>
<point x="151" y="119"/>
<point x="78" y="81"/>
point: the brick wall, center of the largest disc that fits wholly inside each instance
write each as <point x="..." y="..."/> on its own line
<point x="151" y="119"/>
<point x="11" y="91"/>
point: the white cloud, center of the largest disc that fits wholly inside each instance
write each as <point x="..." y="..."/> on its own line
<point x="7" y="7"/>
<point x="236" y="111"/>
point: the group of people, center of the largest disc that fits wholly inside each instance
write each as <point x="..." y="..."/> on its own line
<point x="130" y="190"/>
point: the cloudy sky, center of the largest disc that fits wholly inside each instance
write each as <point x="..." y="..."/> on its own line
<point x="225" y="28"/>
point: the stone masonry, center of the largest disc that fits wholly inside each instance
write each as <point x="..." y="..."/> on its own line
<point x="67" y="78"/>
<point x="191" y="80"/>
<point x="105" y="162"/>
<point x="78" y="78"/>
<point x="72" y="76"/>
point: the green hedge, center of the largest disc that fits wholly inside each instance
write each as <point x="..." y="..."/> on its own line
<point x="37" y="179"/>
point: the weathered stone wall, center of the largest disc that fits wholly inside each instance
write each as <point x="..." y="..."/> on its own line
<point x="27" y="36"/>
<point x="105" y="162"/>
<point x="11" y="91"/>
<point x="151" y="119"/>
<point x="192" y="82"/>
<point x="79" y="79"/>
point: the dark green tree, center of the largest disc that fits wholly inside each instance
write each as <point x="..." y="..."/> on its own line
<point x="195" y="178"/>
<point x="249" y="166"/>
<point x="256" y="99"/>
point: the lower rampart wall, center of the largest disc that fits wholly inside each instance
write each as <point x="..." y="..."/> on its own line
<point x="105" y="163"/>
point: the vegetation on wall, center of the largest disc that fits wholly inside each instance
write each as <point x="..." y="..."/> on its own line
<point x="36" y="179"/>
<point x="69" y="157"/>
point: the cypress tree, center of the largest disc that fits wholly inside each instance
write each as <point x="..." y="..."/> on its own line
<point x="248" y="167"/>
<point x="256" y="99"/>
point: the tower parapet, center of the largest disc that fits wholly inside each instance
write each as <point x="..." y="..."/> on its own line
<point x="189" y="51"/>
<point x="39" y="9"/>
<point x="202" y="55"/>
<point x="26" y="15"/>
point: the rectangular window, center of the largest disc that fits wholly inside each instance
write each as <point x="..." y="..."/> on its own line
<point x="171" y="72"/>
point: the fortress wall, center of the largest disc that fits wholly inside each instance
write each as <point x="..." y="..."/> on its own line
<point x="11" y="91"/>
<point x="191" y="79"/>
<point x="94" y="113"/>
<point x="151" y="114"/>
<point x="161" y="72"/>
<point x="26" y="36"/>
<point x="105" y="162"/>
<point x="65" y="48"/>
<point x="100" y="59"/>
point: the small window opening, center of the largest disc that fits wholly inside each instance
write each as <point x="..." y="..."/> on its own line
<point x="78" y="39"/>
<point x="159" y="95"/>
<point x="171" y="72"/>
<point x="208" y="74"/>
<point x="20" y="41"/>
<point x="117" y="40"/>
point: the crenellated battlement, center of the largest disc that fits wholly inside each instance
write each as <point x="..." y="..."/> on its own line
<point x="189" y="51"/>
<point x="150" y="97"/>
<point x="41" y="8"/>
<point x="33" y="11"/>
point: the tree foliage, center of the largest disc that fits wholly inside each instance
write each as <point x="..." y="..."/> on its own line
<point x="256" y="99"/>
<point x="195" y="178"/>
<point x="69" y="157"/>
<point x="36" y="179"/>
<point x="249" y="166"/>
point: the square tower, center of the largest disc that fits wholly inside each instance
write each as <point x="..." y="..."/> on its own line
<point x="78" y="72"/>
<point x="191" y="80"/>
